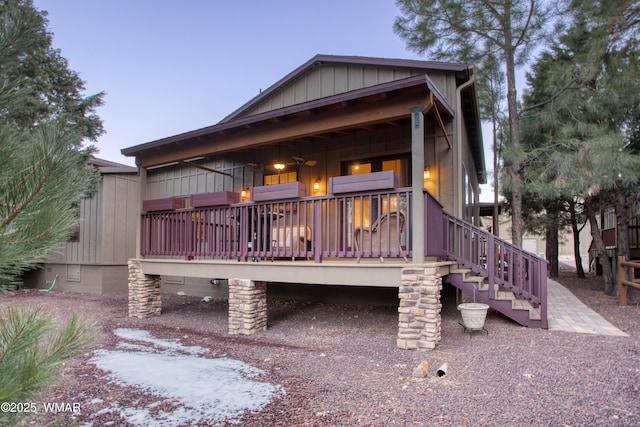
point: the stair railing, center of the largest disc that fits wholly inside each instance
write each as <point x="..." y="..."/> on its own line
<point x="500" y="262"/>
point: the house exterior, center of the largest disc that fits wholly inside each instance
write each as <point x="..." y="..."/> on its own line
<point x="348" y="171"/>
<point x="95" y="259"/>
<point x="609" y="232"/>
<point x="537" y="243"/>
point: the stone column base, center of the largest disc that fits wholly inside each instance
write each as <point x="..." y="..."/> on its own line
<point x="419" y="322"/>
<point x="247" y="307"/>
<point x="144" y="293"/>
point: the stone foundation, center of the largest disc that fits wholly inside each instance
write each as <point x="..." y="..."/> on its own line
<point x="247" y="307"/>
<point x="144" y="293"/>
<point x="419" y="323"/>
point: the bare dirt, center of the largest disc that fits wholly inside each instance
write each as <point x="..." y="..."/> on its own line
<point x="340" y="365"/>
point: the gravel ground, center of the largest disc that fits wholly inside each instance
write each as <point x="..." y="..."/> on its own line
<point x="340" y="365"/>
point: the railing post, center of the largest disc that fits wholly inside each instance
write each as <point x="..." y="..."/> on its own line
<point x="491" y="264"/>
<point x="244" y="234"/>
<point x="544" y="322"/>
<point x="188" y="223"/>
<point x="318" y="230"/>
<point x="621" y="286"/>
<point x="417" y="164"/>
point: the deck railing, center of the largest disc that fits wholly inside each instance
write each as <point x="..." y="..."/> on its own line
<point x="369" y="224"/>
<point x="499" y="261"/>
<point x="628" y="277"/>
<point x="374" y="224"/>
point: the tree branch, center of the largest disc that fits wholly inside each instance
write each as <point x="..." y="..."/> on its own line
<point x="551" y="99"/>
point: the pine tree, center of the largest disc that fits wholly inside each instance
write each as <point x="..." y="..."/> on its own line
<point x="43" y="174"/>
<point x="31" y="353"/>
<point x="481" y="32"/>
<point x="43" y="164"/>
<point x="581" y="114"/>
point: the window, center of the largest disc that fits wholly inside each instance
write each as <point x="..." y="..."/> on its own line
<point x="365" y="211"/>
<point x="281" y="178"/>
<point x="609" y="218"/>
<point x="469" y="202"/>
<point x="400" y="164"/>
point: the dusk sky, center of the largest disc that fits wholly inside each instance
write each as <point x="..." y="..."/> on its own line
<point x="169" y="67"/>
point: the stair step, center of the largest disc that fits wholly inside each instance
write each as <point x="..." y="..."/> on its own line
<point x="500" y="294"/>
<point x="505" y="295"/>
<point x="535" y="314"/>
<point x="485" y="288"/>
<point x="521" y="304"/>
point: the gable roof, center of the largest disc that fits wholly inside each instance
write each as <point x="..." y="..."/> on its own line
<point x="321" y="60"/>
<point x="256" y="120"/>
<point x="248" y="116"/>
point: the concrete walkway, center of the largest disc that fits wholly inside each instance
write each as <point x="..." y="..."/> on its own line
<point x="568" y="313"/>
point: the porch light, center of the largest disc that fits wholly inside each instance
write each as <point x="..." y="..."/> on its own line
<point x="244" y="194"/>
<point x="278" y="166"/>
<point x="426" y="174"/>
<point x="316" y="184"/>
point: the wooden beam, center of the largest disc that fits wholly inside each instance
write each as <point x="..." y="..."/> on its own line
<point x="441" y="123"/>
<point x="323" y="122"/>
<point x="204" y="168"/>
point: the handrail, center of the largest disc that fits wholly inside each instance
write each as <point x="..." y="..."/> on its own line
<point x="630" y="270"/>
<point x="342" y="226"/>
<point x="499" y="261"/>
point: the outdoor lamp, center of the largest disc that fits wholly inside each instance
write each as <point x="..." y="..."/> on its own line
<point x="278" y="166"/>
<point x="426" y="174"/>
<point x="316" y="184"/>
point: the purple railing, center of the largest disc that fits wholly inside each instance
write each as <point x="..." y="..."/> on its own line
<point x="499" y="261"/>
<point x="373" y="224"/>
<point x="368" y="224"/>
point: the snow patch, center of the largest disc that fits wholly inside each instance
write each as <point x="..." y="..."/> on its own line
<point x="195" y="387"/>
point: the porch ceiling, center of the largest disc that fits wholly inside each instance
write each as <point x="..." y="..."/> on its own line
<point x="365" y="109"/>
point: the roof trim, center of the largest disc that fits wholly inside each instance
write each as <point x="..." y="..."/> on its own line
<point x="107" y="166"/>
<point x="296" y="108"/>
<point x="319" y="60"/>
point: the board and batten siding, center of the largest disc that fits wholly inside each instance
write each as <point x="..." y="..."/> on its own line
<point x="182" y="181"/>
<point x="119" y="216"/>
<point x="329" y="80"/>
<point x="107" y="226"/>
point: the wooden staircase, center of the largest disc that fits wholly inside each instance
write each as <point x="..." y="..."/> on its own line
<point x="501" y="275"/>
<point x="502" y="300"/>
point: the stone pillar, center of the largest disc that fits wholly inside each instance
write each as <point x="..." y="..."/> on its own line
<point x="247" y="307"/>
<point x="144" y="292"/>
<point x="419" y="322"/>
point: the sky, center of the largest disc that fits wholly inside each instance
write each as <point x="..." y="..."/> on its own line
<point x="169" y="67"/>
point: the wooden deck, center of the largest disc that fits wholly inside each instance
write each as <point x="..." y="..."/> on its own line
<point x="369" y="272"/>
<point x="320" y="240"/>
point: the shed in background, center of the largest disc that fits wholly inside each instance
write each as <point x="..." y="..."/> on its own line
<point x="95" y="259"/>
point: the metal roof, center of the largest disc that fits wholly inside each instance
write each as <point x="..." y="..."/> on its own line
<point x="237" y="120"/>
<point x="320" y="60"/>
<point x="296" y="108"/>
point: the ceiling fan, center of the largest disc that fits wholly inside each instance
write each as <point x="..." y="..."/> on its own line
<point x="280" y="165"/>
<point x="297" y="160"/>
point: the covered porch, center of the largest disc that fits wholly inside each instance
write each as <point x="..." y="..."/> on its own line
<point x="280" y="195"/>
<point x="322" y="240"/>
